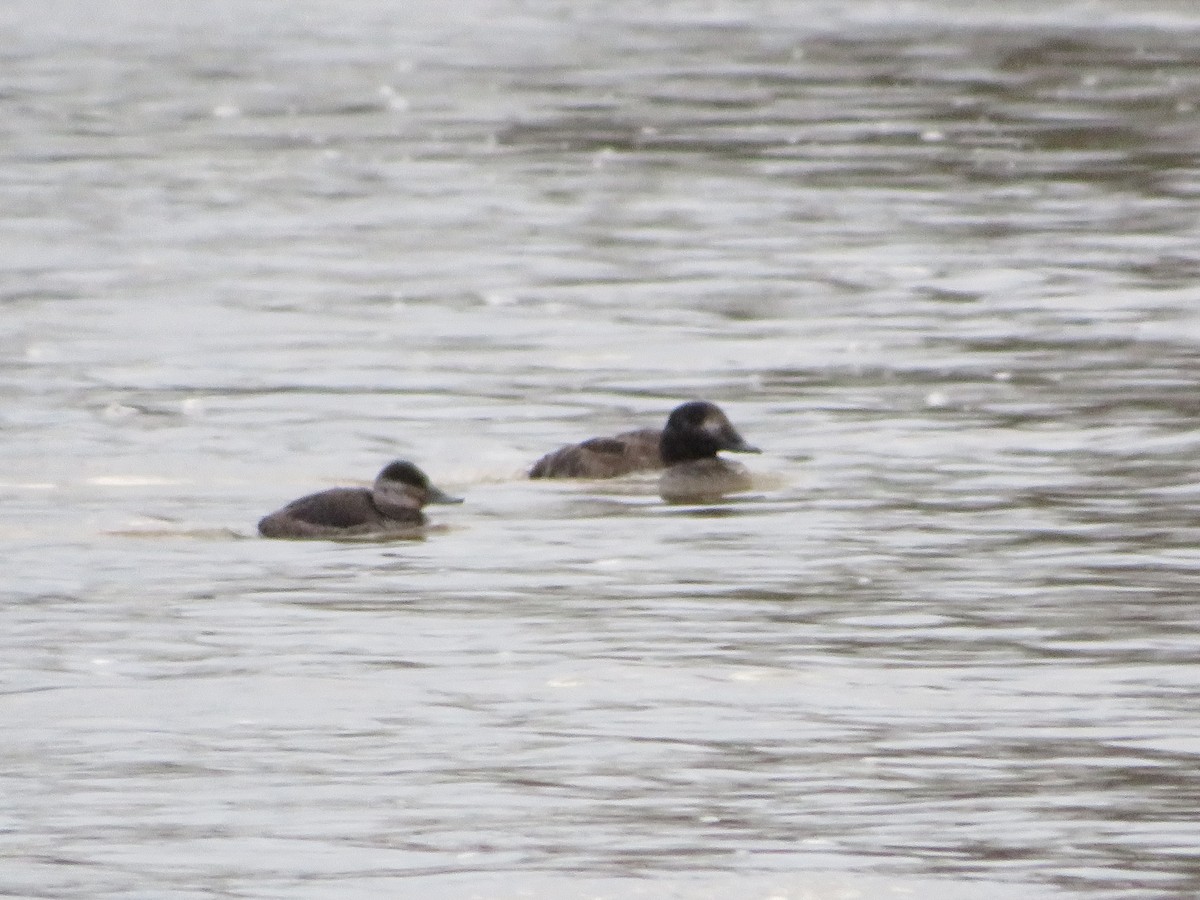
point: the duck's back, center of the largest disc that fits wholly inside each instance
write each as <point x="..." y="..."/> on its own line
<point x="603" y="457"/>
<point x="346" y="512"/>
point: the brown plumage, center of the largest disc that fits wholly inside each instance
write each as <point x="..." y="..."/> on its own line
<point x="694" y="430"/>
<point x="603" y="457"/>
<point x="390" y="507"/>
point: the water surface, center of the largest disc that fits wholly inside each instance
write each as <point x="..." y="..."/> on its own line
<point x="940" y="262"/>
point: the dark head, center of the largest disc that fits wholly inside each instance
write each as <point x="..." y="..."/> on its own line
<point x="698" y="430"/>
<point x="402" y="476"/>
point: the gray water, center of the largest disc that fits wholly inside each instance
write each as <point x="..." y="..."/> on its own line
<point x="939" y="259"/>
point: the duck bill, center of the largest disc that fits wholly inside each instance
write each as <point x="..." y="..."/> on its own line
<point x="735" y="443"/>
<point x="436" y="495"/>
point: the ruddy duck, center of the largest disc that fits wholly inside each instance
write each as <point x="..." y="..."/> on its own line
<point x="390" y="507"/>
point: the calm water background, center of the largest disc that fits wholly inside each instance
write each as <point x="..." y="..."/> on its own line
<point x="939" y="259"/>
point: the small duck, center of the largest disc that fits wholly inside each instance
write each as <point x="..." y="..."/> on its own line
<point x="690" y="433"/>
<point x="695" y="433"/>
<point x="389" y="508"/>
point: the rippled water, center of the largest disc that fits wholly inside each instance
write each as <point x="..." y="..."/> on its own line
<point x="938" y="259"/>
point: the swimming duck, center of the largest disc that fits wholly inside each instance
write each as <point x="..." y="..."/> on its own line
<point x="391" y="506"/>
<point x="695" y="433"/>
<point x="690" y="434"/>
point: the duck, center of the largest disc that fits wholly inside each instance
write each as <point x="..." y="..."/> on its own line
<point x="695" y="433"/>
<point x="391" y="507"/>
<point x="689" y="435"/>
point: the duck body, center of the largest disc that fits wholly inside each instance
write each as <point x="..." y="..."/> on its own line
<point x="686" y="448"/>
<point x="338" y="512"/>
<point x="390" y="507"/>
<point x="603" y="457"/>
